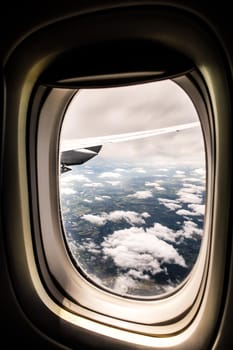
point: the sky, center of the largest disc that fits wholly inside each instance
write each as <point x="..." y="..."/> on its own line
<point x="100" y="112"/>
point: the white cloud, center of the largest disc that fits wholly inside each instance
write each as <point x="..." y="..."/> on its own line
<point x="169" y="203"/>
<point x="189" y="229"/>
<point x="93" y="184"/>
<point x="199" y="209"/>
<point x="139" y="170"/>
<point x="137" y="274"/>
<point x="88" y="200"/>
<point x="172" y="206"/>
<point x="200" y="171"/>
<point x="113" y="183"/>
<point x="165" y="233"/>
<point x="162" y="232"/>
<point x="145" y="215"/>
<point x="67" y="190"/>
<point x="156" y="185"/>
<point x="81" y="178"/>
<point x="192" y="179"/>
<point x="123" y="283"/>
<point x="194" y="188"/>
<point x="121" y="170"/>
<point x="160" y="175"/>
<point x="185" y="212"/>
<point x="91" y="247"/>
<point x="99" y="198"/>
<point x="74" y="177"/>
<point x="141" y="194"/>
<point x="133" y="280"/>
<point x="109" y="174"/>
<point x="140" y="250"/>
<point x="163" y="169"/>
<point x="94" y="219"/>
<point x="137" y="252"/>
<point x="189" y="197"/>
<point x="130" y="217"/>
<point x="191" y="193"/>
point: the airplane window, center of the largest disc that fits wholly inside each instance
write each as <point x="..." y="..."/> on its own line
<point x="132" y="187"/>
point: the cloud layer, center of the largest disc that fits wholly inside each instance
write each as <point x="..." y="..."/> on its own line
<point x="130" y="217"/>
<point x="140" y="251"/>
<point x="99" y="112"/>
<point x="136" y="223"/>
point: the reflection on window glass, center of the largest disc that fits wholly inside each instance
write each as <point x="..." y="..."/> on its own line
<point x="133" y="201"/>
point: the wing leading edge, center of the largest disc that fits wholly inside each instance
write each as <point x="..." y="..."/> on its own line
<point x="78" y="151"/>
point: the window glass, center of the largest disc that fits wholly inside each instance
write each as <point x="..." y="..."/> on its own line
<point x="133" y="201"/>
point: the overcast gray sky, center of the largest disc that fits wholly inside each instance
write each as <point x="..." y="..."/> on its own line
<point x="99" y="112"/>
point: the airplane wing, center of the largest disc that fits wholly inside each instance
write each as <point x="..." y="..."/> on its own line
<point x="78" y="151"/>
